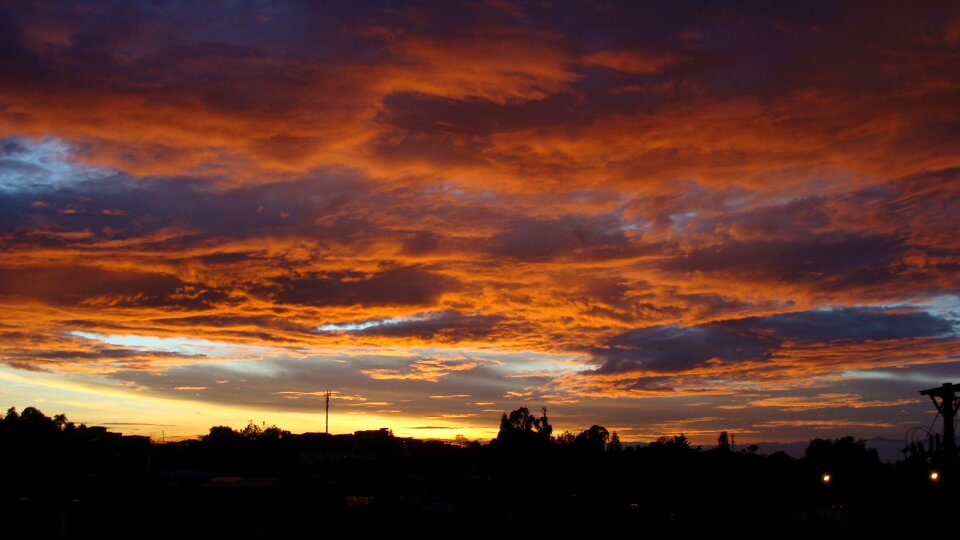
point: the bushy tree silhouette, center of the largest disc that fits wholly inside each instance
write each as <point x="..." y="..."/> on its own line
<point x="614" y="445"/>
<point x="592" y="440"/>
<point x="520" y="429"/>
<point x="844" y="451"/>
<point x="251" y="431"/>
<point x="222" y="434"/>
<point x="675" y="444"/>
<point x="723" y="442"/>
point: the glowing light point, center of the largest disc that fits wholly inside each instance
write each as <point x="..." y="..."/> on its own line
<point x="826" y="478"/>
<point x="934" y="476"/>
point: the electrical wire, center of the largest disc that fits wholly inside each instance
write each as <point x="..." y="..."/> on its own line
<point x="911" y="433"/>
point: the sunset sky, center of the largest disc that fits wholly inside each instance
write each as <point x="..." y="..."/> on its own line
<point x="660" y="217"/>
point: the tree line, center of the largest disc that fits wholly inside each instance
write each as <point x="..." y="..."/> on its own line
<point x="57" y="472"/>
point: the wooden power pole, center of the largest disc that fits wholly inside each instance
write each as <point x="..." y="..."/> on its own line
<point x="326" y="428"/>
<point x="947" y="406"/>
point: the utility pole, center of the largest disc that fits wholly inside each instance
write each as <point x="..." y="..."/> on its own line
<point x="947" y="406"/>
<point x="326" y="428"/>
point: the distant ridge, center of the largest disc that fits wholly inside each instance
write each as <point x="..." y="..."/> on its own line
<point x="889" y="450"/>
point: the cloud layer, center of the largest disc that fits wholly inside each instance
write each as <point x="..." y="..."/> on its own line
<point x="657" y="204"/>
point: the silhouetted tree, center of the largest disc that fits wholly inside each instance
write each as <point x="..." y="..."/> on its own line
<point x="844" y="451"/>
<point x="566" y="438"/>
<point x="222" y="434"/>
<point x="522" y="429"/>
<point x="251" y="431"/>
<point x="614" y="446"/>
<point x="545" y="430"/>
<point x="521" y="421"/>
<point x="593" y="440"/>
<point x="34" y="415"/>
<point x="271" y="433"/>
<point x="677" y="443"/>
<point x="723" y="442"/>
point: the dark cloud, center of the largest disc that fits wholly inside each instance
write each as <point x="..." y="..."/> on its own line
<point x="420" y="113"/>
<point x="573" y="237"/>
<point x="75" y="284"/>
<point x="226" y="322"/>
<point x="398" y="286"/>
<point x="853" y="324"/>
<point x="773" y="50"/>
<point x="112" y="207"/>
<point x="94" y="286"/>
<point x="794" y="220"/>
<point x="444" y="326"/>
<point x="899" y="382"/>
<point x="437" y="149"/>
<point x="827" y="263"/>
<point x="421" y="243"/>
<point x="675" y="348"/>
<point x="132" y="43"/>
<point x="49" y="351"/>
<point x="25" y="365"/>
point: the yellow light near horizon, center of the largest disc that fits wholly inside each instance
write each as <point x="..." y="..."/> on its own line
<point x="173" y="418"/>
<point x="934" y="476"/>
<point x="826" y="479"/>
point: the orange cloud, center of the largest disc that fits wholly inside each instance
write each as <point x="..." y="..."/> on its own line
<point x="385" y="189"/>
<point x="825" y="401"/>
<point x="429" y="370"/>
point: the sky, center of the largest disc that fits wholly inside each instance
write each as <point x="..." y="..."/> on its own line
<point x="660" y="217"/>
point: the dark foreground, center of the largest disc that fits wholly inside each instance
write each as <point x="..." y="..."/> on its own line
<point x="61" y="481"/>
